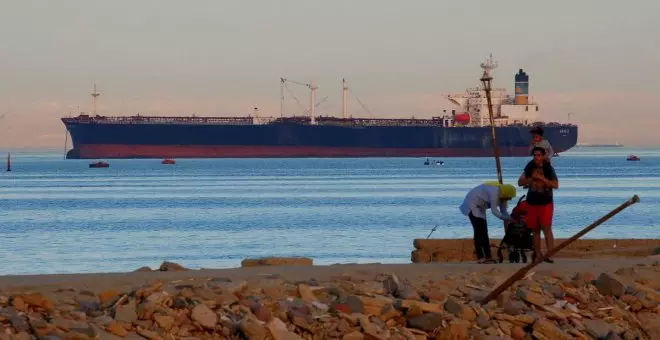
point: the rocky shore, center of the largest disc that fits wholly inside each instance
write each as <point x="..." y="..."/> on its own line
<point x="572" y="299"/>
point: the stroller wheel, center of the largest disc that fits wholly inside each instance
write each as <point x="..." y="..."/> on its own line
<point x="514" y="257"/>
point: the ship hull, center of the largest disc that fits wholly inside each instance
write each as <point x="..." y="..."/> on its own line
<point x="94" y="141"/>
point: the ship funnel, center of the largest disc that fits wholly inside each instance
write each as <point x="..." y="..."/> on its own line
<point x="521" y="88"/>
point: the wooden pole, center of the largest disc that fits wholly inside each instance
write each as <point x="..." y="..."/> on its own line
<point x="521" y="273"/>
<point x="486" y="80"/>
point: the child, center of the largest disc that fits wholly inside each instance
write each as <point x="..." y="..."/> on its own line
<point x="539" y="141"/>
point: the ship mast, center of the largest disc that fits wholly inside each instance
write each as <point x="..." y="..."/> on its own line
<point x="94" y="95"/>
<point x="312" y="103"/>
<point x="345" y="99"/>
<point x="486" y="79"/>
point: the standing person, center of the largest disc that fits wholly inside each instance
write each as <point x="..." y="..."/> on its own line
<point x="487" y="195"/>
<point x="539" y="141"/>
<point x="540" y="177"/>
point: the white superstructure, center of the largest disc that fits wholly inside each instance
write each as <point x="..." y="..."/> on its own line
<point x="507" y="109"/>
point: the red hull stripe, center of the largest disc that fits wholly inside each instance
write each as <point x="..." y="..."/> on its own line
<point x="192" y="151"/>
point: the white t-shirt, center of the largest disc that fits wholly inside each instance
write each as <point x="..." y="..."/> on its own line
<point x="481" y="198"/>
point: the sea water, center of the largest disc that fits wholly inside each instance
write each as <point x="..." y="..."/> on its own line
<point x="60" y="216"/>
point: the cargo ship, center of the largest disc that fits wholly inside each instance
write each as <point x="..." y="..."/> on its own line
<point x="464" y="130"/>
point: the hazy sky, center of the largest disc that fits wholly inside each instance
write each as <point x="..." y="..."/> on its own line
<point x="595" y="59"/>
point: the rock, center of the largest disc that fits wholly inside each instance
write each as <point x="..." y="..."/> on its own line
<point x="171" y="267"/>
<point x="353" y="336"/>
<point x="19" y="323"/>
<point x="108" y="296"/>
<point x="514" y="307"/>
<point x="483" y="321"/>
<point x="546" y="330"/>
<point x="582" y="279"/>
<point x="164" y="321"/>
<point x="277" y="261"/>
<point x="460" y="310"/>
<point x="626" y="272"/>
<point x="427" y="322"/>
<point x="205" y="316"/>
<point x="36" y="300"/>
<point x="306" y="293"/>
<point x="611" y="284"/>
<point x="278" y="331"/>
<point x="18" y="304"/>
<point x="650" y="323"/>
<point x="612" y="336"/>
<point x="354" y="304"/>
<point x="457" y="330"/>
<point x="391" y="284"/>
<point x="263" y="313"/>
<point x="102" y="320"/>
<point x="530" y="297"/>
<point x="116" y="329"/>
<point x="143" y="269"/>
<point x="126" y="313"/>
<point x="252" y="328"/>
<point x="503" y="298"/>
<point x="517" y="333"/>
<point x="151" y="335"/>
<point x="408" y="292"/>
<point x="598" y="328"/>
<point x="145" y="310"/>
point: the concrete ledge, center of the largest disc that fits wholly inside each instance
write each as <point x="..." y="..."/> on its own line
<point x="457" y="250"/>
<point x="277" y="261"/>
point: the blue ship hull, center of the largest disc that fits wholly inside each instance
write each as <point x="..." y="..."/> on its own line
<point x="143" y="137"/>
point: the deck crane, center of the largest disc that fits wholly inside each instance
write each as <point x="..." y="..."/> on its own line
<point x="312" y="102"/>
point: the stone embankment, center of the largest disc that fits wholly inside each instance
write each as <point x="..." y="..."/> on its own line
<point x="458" y="250"/>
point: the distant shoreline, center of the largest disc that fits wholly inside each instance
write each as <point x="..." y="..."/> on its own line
<point x="587" y="145"/>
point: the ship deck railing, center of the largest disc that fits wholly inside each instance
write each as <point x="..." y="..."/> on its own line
<point x="162" y="120"/>
<point x="249" y="120"/>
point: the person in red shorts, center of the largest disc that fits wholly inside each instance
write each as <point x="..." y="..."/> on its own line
<point x="540" y="179"/>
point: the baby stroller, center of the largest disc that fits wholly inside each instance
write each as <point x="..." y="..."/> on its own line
<point x="518" y="237"/>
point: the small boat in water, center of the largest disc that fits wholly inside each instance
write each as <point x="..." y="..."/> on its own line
<point x="632" y="158"/>
<point x="168" y="161"/>
<point x="436" y="162"/>
<point x="100" y="164"/>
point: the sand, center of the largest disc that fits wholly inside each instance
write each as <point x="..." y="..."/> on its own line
<point x="97" y="282"/>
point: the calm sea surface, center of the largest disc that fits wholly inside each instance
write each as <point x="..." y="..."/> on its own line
<point x="59" y="216"/>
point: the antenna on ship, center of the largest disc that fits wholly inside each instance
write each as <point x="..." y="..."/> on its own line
<point x="344" y="111"/>
<point x="486" y="79"/>
<point x="94" y="95"/>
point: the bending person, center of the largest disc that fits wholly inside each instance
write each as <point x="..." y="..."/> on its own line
<point x="488" y="195"/>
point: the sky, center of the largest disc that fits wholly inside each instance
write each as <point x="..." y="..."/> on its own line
<point x="597" y="60"/>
